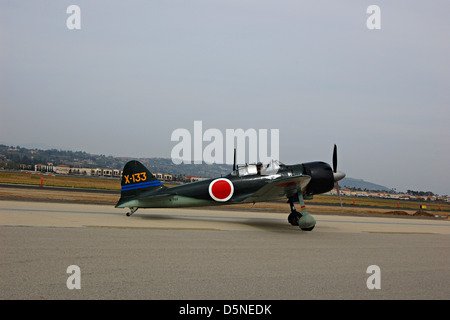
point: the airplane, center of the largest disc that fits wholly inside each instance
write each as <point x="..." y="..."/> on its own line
<point x="249" y="183"/>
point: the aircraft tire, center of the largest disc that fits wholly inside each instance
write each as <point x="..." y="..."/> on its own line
<point x="308" y="229"/>
<point x="307" y="222"/>
<point x="294" y="217"/>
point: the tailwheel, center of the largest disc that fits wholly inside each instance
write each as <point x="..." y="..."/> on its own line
<point x="132" y="210"/>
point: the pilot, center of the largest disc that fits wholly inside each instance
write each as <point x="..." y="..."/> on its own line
<point x="259" y="166"/>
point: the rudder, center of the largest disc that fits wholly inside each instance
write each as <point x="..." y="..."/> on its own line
<point x="136" y="179"/>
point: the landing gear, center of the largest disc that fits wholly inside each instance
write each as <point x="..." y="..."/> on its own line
<point x="294" y="216"/>
<point x="132" y="210"/>
<point x="303" y="219"/>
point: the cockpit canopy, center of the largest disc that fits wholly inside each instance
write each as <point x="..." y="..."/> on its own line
<point x="252" y="169"/>
<point x="246" y="170"/>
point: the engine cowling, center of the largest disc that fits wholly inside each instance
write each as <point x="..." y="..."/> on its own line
<point x="322" y="179"/>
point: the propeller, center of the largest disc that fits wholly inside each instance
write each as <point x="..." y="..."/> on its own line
<point x="338" y="175"/>
<point x="335" y="158"/>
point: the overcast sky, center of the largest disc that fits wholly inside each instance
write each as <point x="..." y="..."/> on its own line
<point x="138" y="70"/>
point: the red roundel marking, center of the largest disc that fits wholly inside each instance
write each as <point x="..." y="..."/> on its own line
<point x="221" y="189"/>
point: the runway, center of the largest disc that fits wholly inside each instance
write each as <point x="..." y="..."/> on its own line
<point x="216" y="254"/>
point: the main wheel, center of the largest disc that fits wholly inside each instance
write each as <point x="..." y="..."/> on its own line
<point x="293" y="218"/>
<point x="306" y="222"/>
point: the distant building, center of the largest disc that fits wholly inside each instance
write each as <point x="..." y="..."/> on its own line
<point x="61" y="169"/>
<point x="65" y="169"/>
<point x="163" y="176"/>
<point x="193" y="178"/>
<point x="23" y="166"/>
<point x="44" y="167"/>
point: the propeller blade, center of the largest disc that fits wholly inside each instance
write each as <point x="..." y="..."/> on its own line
<point x="335" y="158"/>
<point x="338" y="175"/>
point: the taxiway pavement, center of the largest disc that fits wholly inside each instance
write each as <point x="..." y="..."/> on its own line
<point x="216" y="254"/>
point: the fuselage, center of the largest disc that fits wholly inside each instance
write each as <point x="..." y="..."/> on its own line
<point x="246" y="180"/>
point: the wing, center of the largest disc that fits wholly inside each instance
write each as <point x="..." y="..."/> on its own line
<point x="284" y="187"/>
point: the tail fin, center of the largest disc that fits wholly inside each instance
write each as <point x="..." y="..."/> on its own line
<point x="136" y="179"/>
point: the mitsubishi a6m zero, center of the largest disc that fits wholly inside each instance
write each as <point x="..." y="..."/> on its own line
<point x="248" y="183"/>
